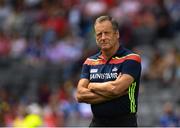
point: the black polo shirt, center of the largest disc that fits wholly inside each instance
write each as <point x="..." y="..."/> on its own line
<point x="97" y="69"/>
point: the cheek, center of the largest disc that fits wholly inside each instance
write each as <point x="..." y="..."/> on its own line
<point x="98" y="38"/>
<point x="97" y="42"/>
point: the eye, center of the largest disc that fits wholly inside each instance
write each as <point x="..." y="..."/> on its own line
<point x="98" y="34"/>
<point x="106" y="33"/>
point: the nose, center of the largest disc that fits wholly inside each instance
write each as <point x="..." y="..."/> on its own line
<point x="103" y="36"/>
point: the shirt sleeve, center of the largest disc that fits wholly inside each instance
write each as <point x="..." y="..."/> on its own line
<point x="85" y="71"/>
<point x="132" y="68"/>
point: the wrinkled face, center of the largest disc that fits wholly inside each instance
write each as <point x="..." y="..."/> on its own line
<point x="106" y="37"/>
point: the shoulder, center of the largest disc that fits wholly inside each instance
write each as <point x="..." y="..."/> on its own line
<point x="127" y="54"/>
<point x="132" y="56"/>
<point x="95" y="56"/>
<point x="92" y="59"/>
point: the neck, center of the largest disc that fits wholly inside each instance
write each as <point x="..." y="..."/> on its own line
<point x="110" y="52"/>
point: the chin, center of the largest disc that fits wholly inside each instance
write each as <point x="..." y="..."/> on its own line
<point x="105" y="48"/>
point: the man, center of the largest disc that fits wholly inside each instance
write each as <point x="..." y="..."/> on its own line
<point x="110" y="79"/>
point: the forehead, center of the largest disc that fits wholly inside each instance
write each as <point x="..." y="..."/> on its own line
<point x="103" y="26"/>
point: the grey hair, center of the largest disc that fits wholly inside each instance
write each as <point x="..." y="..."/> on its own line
<point x="114" y="23"/>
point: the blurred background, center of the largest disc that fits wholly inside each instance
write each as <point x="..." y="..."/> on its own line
<point x="43" y="44"/>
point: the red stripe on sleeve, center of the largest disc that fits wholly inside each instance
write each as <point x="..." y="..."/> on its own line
<point x="122" y="59"/>
<point x="94" y="62"/>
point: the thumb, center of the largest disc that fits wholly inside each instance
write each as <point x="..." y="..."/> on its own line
<point x="119" y="75"/>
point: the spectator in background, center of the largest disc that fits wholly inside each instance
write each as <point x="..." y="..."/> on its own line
<point x="52" y="113"/>
<point x="19" y="116"/>
<point x="18" y="46"/>
<point x="33" y="119"/>
<point x="169" y="117"/>
<point x="4" y="45"/>
<point x="5" y="12"/>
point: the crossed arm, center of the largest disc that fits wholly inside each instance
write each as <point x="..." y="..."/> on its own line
<point x="93" y="93"/>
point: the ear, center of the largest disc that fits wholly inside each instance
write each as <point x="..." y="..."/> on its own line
<point x="117" y="33"/>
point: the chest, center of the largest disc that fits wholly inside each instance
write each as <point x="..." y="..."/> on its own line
<point x="105" y="72"/>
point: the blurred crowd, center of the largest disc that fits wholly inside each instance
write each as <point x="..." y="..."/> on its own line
<point x="41" y="34"/>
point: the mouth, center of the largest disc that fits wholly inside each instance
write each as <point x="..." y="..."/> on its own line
<point x="104" y="46"/>
<point x="104" y="43"/>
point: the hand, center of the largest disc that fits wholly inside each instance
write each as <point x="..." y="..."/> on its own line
<point x="120" y="74"/>
<point x="91" y="86"/>
<point x="95" y="86"/>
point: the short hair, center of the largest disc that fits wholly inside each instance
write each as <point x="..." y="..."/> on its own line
<point x="114" y="23"/>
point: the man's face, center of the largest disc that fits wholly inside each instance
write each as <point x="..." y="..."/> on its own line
<point x="106" y="37"/>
